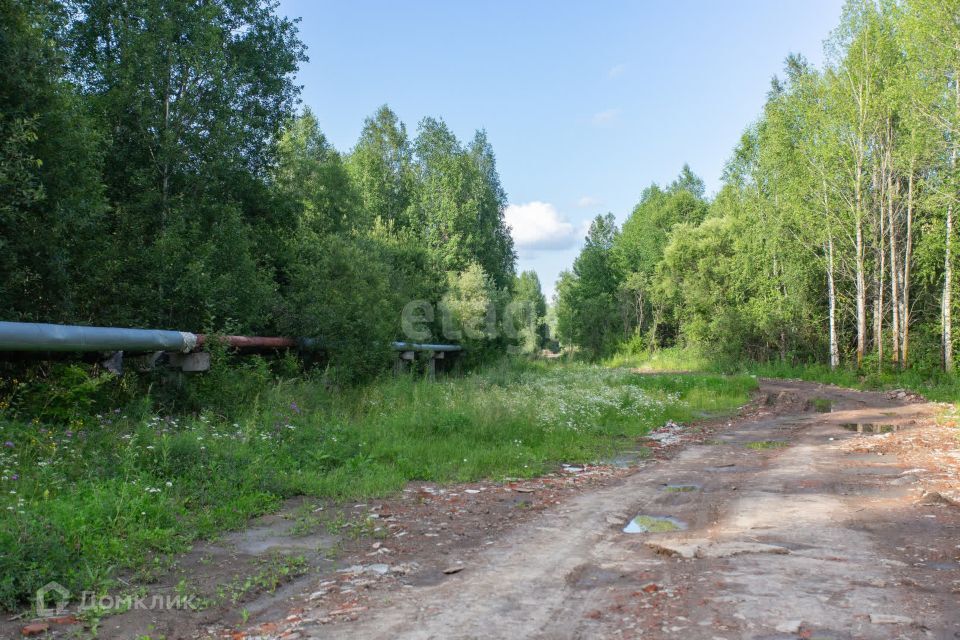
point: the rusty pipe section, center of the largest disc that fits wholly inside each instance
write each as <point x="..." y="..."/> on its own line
<point x="253" y="342"/>
<point x="35" y="336"/>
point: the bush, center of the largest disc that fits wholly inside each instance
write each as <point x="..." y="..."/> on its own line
<point x="471" y="305"/>
<point x="340" y="296"/>
<point x="57" y="393"/>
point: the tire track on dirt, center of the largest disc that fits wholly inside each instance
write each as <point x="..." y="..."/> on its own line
<point x="800" y="540"/>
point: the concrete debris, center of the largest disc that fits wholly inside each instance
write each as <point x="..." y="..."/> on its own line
<point x="378" y="569"/>
<point x="668" y="434"/>
<point x="706" y="549"/>
<point x="931" y="498"/>
<point x="892" y="563"/>
<point x="883" y="618"/>
<point x="789" y="626"/>
<point x="905" y="396"/>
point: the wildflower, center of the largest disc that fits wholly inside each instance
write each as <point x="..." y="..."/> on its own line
<point x="15" y="477"/>
<point x="169" y="484"/>
<point x="294" y="407"/>
<point x="8" y="444"/>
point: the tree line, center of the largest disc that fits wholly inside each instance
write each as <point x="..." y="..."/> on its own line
<point x="832" y="236"/>
<point x="156" y="171"/>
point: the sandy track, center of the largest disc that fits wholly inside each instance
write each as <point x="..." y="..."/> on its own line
<point x="804" y="540"/>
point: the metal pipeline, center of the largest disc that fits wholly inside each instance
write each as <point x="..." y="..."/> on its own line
<point x="34" y="336"/>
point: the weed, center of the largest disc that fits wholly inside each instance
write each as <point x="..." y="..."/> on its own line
<point x="766" y="444"/>
<point x="306" y="521"/>
<point x="271" y="574"/>
<point x="822" y="405"/>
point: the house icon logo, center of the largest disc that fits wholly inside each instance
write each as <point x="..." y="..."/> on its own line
<point x="52" y="599"/>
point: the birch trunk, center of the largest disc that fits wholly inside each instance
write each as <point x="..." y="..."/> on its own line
<point x="832" y="296"/>
<point x="947" y="337"/>
<point x="861" y="279"/>
<point x="907" y="254"/>
<point x="878" y="305"/>
<point x="894" y="278"/>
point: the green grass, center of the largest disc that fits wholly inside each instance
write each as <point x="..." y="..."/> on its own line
<point x="673" y="359"/>
<point x="113" y="492"/>
<point x="929" y="382"/>
<point x="932" y="384"/>
<point x="761" y="445"/>
<point x="822" y="405"/>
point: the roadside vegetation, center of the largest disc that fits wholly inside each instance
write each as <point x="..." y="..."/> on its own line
<point x="829" y="251"/>
<point x="931" y="382"/>
<point x="93" y="492"/>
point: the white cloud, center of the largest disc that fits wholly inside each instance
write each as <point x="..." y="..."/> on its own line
<point x="538" y="225"/>
<point x="605" y="117"/>
<point x="616" y="70"/>
<point x="587" y="202"/>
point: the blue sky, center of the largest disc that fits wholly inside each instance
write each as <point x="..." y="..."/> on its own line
<point x="585" y="103"/>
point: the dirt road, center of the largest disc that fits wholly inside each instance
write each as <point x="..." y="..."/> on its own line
<point x="788" y="533"/>
<point x="778" y="523"/>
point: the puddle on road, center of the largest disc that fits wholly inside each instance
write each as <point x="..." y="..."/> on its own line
<point x="626" y="459"/>
<point x="870" y="427"/>
<point x="680" y="488"/>
<point x="654" y="524"/>
<point x="277" y="538"/>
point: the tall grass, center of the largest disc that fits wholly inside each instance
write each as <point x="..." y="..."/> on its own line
<point x="82" y="502"/>
<point x="670" y="359"/>
<point x="932" y="383"/>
